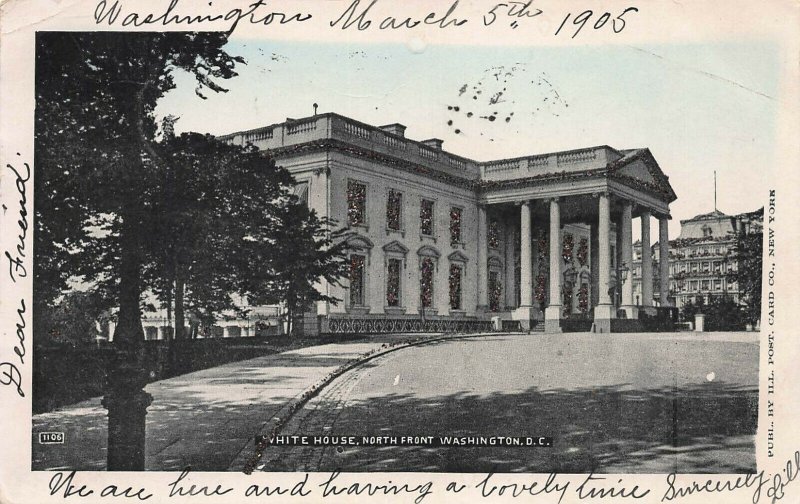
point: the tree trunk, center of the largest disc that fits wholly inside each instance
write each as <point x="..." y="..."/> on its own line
<point x="125" y="399"/>
<point x="170" y="335"/>
<point x="180" y="318"/>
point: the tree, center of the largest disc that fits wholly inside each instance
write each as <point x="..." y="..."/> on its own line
<point x="96" y="163"/>
<point x="217" y="200"/>
<point x="72" y="321"/>
<point x="748" y="252"/>
<point x="302" y="251"/>
<point x="97" y="183"/>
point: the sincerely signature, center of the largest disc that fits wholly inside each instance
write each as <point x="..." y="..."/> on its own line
<point x="773" y="486"/>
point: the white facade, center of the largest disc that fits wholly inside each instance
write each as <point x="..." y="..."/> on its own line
<point x="503" y="236"/>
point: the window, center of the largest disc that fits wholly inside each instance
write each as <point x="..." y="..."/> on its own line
<point x="393" y="282"/>
<point x="495" y="290"/>
<point x="717" y="285"/>
<point x="705" y="285"/>
<point x="455" y="286"/>
<point x="455" y="225"/>
<point x="717" y="266"/>
<point x="613" y="256"/>
<point x="357" y="279"/>
<point x="426" y="217"/>
<point x="494" y="234"/>
<point x="394" y="210"/>
<point x="693" y="286"/>
<point x="301" y="191"/>
<point x="426" y="283"/>
<point x="356" y="203"/>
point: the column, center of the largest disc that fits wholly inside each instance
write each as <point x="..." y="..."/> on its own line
<point x="162" y="333"/>
<point x="647" y="262"/>
<point x="526" y="256"/>
<point x="483" y="276"/>
<point x="627" y="260"/>
<point x="510" y="297"/>
<point x="525" y="313"/>
<point x="593" y="269"/>
<point x="663" y="262"/>
<point x="552" y="315"/>
<point x="603" y="312"/>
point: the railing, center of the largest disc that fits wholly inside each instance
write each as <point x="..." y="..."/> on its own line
<point x="501" y="167"/>
<point x="302" y="127"/>
<point x="257" y="136"/>
<point x="458" y="163"/>
<point x="394" y="143"/>
<point x="428" y="153"/>
<point x="576" y="157"/>
<point x="537" y="161"/>
<point x="356" y="130"/>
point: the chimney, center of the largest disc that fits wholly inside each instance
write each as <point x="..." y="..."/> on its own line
<point x="434" y="143"/>
<point x="394" y="129"/>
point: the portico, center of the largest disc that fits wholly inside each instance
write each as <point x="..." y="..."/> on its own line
<point x="574" y="245"/>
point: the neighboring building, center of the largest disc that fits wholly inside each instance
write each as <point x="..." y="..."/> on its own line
<point x="701" y="258"/>
<point x="442" y="242"/>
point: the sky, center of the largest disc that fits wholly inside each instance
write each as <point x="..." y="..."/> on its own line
<point x="698" y="108"/>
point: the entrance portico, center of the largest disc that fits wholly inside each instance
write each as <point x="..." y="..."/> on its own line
<point x="574" y="238"/>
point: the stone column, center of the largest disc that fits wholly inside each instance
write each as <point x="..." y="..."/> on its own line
<point x="162" y="333"/>
<point x="663" y="261"/>
<point x="526" y="256"/>
<point x="627" y="259"/>
<point x="483" y="275"/>
<point x="593" y="271"/>
<point x="508" y="289"/>
<point x="604" y="310"/>
<point x="525" y="312"/>
<point x="647" y="262"/>
<point x="552" y="315"/>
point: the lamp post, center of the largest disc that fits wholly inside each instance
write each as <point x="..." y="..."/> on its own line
<point x="569" y="283"/>
<point x="623" y="275"/>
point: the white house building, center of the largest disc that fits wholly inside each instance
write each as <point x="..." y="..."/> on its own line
<point x="443" y="242"/>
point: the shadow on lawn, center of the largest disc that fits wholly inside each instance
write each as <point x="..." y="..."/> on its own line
<point x="700" y="428"/>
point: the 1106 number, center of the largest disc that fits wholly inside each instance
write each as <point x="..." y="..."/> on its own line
<point x="617" y="23"/>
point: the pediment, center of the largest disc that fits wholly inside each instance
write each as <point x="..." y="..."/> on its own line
<point x="395" y="247"/>
<point x="358" y="242"/>
<point x="458" y="256"/>
<point x="495" y="262"/>
<point x="637" y="170"/>
<point x="640" y="170"/>
<point x="428" y="251"/>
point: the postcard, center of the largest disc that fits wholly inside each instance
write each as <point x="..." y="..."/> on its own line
<point x="414" y="252"/>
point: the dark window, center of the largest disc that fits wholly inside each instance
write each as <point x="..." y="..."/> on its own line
<point x="357" y="280"/>
<point x="494" y="234"/>
<point x="356" y="203"/>
<point x="495" y="290"/>
<point x="455" y="287"/>
<point x="455" y="225"/>
<point x="394" y="210"/>
<point x="426" y="217"/>
<point x="426" y="283"/>
<point x="393" y="282"/>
